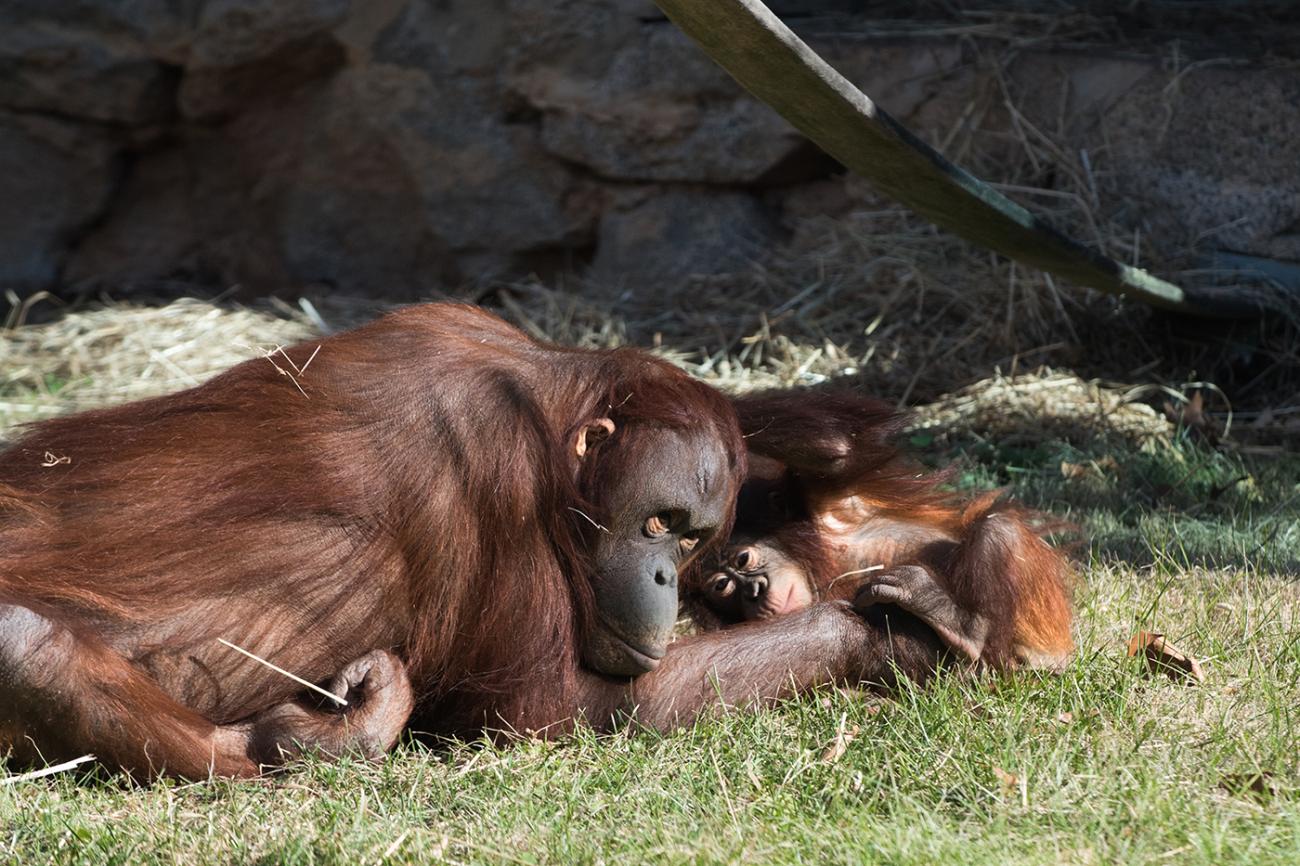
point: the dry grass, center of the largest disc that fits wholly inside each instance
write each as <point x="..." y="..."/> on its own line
<point x="876" y="295"/>
<point x="1048" y="406"/>
<point x="121" y="352"/>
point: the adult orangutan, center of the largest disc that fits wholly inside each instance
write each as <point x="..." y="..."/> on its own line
<point x="431" y="511"/>
<point x="832" y="510"/>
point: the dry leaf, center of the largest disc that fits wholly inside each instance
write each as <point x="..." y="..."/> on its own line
<point x="1262" y="786"/>
<point x="1190" y="413"/>
<point x="1069" y="717"/>
<point x="1073" y="471"/>
<point x="1099" y="468"/>
<point x="840" y="744"/>
<point x="1165" y="658"/>
<point x="1192" y="416"/>
<point x="1194" y="411"/>
<point x="1008" y="781"/>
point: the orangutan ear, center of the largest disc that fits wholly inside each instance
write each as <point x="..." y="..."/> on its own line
<point x="592" y="434"/>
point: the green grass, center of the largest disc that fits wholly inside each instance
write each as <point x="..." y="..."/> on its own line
<point x="1103" y="764"/>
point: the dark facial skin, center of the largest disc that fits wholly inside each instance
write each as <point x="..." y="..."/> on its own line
<point x="756" y="580"/>
<point x="657" y="513"/>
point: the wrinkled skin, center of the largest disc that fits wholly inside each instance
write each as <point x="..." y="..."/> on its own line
<point x="755" y="579"/>
<point x="831" y="510"/>
<point x="665" y="507"/>
<point x="397" y="519"/>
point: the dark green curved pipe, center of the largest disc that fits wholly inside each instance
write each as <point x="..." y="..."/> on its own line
<point x="760" y="52"/>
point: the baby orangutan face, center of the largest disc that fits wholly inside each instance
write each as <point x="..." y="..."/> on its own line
<point x="756" y="580"/>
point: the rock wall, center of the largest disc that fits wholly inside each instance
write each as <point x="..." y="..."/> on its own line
<point x="395" y="146"/>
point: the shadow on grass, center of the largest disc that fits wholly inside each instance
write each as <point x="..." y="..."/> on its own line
<point x="1171" y="508"/>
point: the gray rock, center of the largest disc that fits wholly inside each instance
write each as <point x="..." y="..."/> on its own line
<point x="237" y="32"/>
<point x="152" y="231"/>
<point x="56" y="178"/>
<point x="655" y="109"/>
<point x="656" y="235"/>
<point x="471" y="181"/>
<point x="378" y="180"/>
<point x="161" y="27"/>
<point x="246" y="50"/>
<point x="402" y="145"/>
<point x="211" y="93"/>
<point x="1213" y="158"/>
<point x="370" y="232"/>
<point x="50" y="67"/>
<point x="446" y="37"/>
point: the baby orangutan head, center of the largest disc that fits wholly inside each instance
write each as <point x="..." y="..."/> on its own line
<point x="756" y="579"/>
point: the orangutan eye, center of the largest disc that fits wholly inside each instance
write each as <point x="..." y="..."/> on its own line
<point x="658" y="524"/>
<point x="690" y="540"/>
<point x="722" y="586"/>
<point x="746" y="560"/>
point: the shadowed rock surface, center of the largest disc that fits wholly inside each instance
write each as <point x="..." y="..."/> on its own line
<point x="402" y="146"/>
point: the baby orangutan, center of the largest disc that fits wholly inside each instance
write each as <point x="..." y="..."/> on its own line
<point x="831" y="510"/>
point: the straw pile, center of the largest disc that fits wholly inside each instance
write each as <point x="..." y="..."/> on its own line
<point x="121" y="352"/>
<point x="1047" y="405"/>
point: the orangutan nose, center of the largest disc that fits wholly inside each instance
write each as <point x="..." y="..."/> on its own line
<point x="757" y="587"/>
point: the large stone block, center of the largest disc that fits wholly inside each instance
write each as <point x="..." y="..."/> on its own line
<point x="54" y="61"/>
<point x="632" y="99"/>
<point x="244" y="50"/>
<point x="480" y="184"/>
<point x="57" y="178"/>
<point x="232" y="33"/>
<point x="379" y="179"/>
<point x="404" y="145"/>
<point x="655" y="235"/>
<point x="1212" y="154"/>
